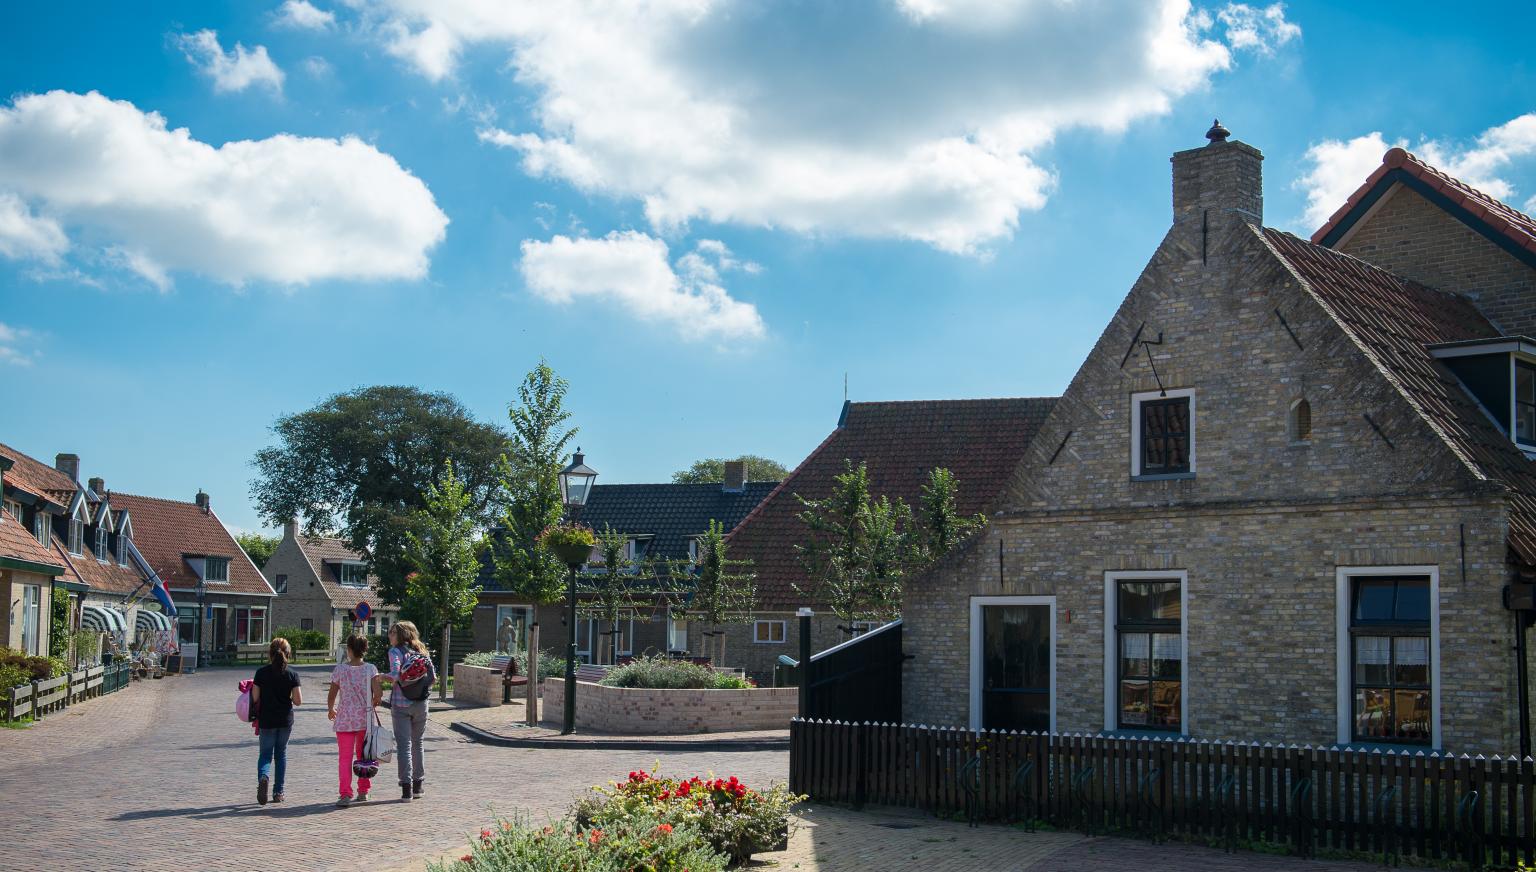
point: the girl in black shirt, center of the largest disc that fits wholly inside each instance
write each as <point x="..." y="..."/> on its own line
<point x="273" y="698"/>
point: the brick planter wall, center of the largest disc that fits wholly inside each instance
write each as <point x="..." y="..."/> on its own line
<point x="672" y="712"/>
<point x="478" y="685"/>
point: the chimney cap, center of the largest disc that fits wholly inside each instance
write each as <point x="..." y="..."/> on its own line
<point x="1217" y="133"/>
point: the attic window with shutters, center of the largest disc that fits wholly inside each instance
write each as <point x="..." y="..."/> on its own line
<point x="1163" y="435"/>
<point x="1301" y="422"/>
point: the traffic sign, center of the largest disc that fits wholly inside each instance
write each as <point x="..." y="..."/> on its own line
<point x="362" y="611"/>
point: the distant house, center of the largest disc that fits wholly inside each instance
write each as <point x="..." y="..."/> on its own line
<point x="319" y="583"/>
<point x="662" y="523"/>
<point x="223" y="604"/>
<point x="29" y="568"/>
<point x="980" y="441"/>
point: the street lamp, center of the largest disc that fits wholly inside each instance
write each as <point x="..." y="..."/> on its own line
<point x="575" y="487"/>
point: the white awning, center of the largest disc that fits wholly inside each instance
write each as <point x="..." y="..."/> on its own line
<point x="102" y="619"/>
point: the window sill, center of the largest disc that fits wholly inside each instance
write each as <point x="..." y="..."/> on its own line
<point x="1399" y="747"/>
<point x="1172" y="476"/>
<point x="1124" y="733"/>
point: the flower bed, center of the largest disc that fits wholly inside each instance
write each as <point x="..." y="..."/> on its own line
<point x="665" y="672"/>
<point x="665" y="711"/>
<point x="644" y="822"/>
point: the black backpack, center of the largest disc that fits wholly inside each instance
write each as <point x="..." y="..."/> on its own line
<point x="417" y="675"/>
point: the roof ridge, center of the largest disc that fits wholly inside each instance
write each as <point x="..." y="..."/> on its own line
<point x="148" y="497"/>
<point x="761" y="504"/>
<point x="952" y="400"/>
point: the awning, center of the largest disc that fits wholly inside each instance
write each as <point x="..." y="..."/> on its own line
<point x="102" y="619"/>
<point x="152" y="621"/>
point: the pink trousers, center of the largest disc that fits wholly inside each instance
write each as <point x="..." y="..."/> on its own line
<point x="349" y="747"/>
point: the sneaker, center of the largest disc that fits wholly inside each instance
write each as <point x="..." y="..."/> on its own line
<point x="262" y="784"/>
<point x="416" y="790"/>
<point x="344" y="800"/>
<point x="363" y="796"/>
<point x="277" y="797"/>
<point x="405" y="793"/>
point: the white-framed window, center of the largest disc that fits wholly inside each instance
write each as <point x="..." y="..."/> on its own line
<point x="122" y="547"/>
<point x="280" y="584"/>
<point x="250" y="625"/>
<point x="859" y="628"/>
<point x="352" y="575"/>
<point x="512" y="623"/>
<point x="677" y="634"/>
<point x="13" y="509"/>
<point x="1163" y="434"/>
<point x="693" y="550"/>
<point x="770" y="632"/>
<point x="31" y="617"/>
<point x="76" y="536"/>
<point x="1013" y="663"/>
<point x="1388" y="657"/>
<point x="42" y="530"/>
<point x="101" y="544"/>
<point x="1144" y="644"/>
<point x="216" y="570"/>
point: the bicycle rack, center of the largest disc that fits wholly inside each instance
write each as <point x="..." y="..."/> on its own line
<point x="970" y="782"/>
<point x="1466" y="813"/>
<point x="1023" y="789"/>
<point x="1301" y="801"/>
<point x="1147" y="798"/>
<point x="1080" y="787"/>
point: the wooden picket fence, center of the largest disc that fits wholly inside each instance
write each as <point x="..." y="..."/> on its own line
<point x="43" y="697"/>
<point x="1474" y="810"/>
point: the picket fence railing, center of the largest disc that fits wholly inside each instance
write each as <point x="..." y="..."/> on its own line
<point x="42" y="697"/>
<point x="1476" y="810"/>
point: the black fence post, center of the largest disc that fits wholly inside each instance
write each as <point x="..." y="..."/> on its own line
<point x="804" y="614"/>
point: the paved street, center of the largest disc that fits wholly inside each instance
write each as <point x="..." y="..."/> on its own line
<point x="162" y="776"/>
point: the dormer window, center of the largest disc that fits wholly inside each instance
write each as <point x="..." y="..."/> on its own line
<point x="352" y="575"/>
<point x="1163" y="435"/>
<point x="122" y="547"/>
<point x="41" y="529"/>
<point x="101" y="544"/>
<point x="216" y="570"/>
<point x="1525" y="403"/>
<point x="76" y="536"/>
<point x="1500" y="374"/>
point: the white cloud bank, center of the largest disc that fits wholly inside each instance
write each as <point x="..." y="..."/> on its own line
<point x="11" y="341"/>
<point x="130" y="191"/>
<point x="303" y="15"/>
<point x="632" y="270"/>
<point x="230" y="71"/>
<point x="1341" y="166"/>
<point x="907" y="119"/>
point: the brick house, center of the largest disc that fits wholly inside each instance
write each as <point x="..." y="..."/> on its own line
<point x="980" y="441"/>
<point x="1282" y="497"/>
<point x="29" y="567"/>
<point x="662" y="523"/>
<point x="223" y="604"/>
<point x="319" y="582"/>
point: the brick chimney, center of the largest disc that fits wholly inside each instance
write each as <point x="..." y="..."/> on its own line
<point x="291" y="528"/>
<point x="98" y="486"/>
<point x="1216" y="186"/>
<point x="202" y="501"/>
<point x="735" y="476"/>
<point x="69" y="464"/>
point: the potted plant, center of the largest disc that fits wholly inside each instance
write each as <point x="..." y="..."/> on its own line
<point x="570" y="542"/>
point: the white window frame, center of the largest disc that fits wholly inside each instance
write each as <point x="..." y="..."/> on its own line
<point x="977" y="604"/>
<point x="42" y="527"/>
<point x="122" y="546"/>
<point x="506" y="610"/>
<point x="1112" y="644"/>
<point x="102" y="551"/>
<point x="13" y="509"/>
<point x="783" y="627"/>
<point x="280" y="582"/>
<point x="341" y="576"/>
<point x="1343" y="598"/>
<point x="76" y="543"/>
<point x="251" y="611"/>
<point x="1172" y="394"/>
<point x="633" y="551"/>
<point x="1515" y="361"/>
<point x="227" y="562"/>
<point x="674" y="627"/>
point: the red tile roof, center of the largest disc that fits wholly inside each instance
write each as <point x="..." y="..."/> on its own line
<point x="980" y="441"/>
<point x="18" y="543"/>
<point x="1514" y="225"/>
<point x="38" y="478"/>
<point x="101" y="577"/>
<point x="167" y="531"/>
<point x="1393" y="320"/>
<point x="325" y="550"/>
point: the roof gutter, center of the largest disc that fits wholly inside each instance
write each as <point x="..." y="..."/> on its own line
<point x="20" y="565"/>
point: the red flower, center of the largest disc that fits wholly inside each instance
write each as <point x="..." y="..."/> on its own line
<point x="485" y="834"/>
<point x="595" y="836"/>
<point x="466" y="858"/>
<point x="664" y="828"/>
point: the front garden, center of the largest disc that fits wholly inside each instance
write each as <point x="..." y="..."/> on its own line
<point x="645" y="822"/>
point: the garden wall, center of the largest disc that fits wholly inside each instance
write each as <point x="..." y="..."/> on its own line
<point x="672" y="712"/>
<point x="478" y="685"/>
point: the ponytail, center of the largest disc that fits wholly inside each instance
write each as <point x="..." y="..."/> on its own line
<point x="279" y="653"/>
<point x="409" y="636"/>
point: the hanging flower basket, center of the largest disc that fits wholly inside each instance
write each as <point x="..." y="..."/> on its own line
<point x="572" y="543"/>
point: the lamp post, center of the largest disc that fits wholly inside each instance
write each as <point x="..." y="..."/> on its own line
<point x="575" y="486"/>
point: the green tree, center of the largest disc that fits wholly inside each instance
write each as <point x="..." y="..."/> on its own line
<point x="942" y="527"/>
<point x="440" y="549"/>
<point x="617" y="589"/>
<point x="530" y="481"/>
<point x="714" y="590"/>
<point x="712" y="470"/>
<point x="857" y="550"/>
<point x="359" y="463"/>
<point x="259" y="547"/>
<point x="58" y="623"/>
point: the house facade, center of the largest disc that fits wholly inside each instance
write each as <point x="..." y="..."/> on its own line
<point x="319" y="583"/>
<point x="28" y="566"/>
<point x="1280" y="501"/>
<point x="223" y="604"/>
<point x="980" y="441"/>
<point x="662" y="523"/>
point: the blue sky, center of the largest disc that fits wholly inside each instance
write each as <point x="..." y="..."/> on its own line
<point x="703" y="214"/>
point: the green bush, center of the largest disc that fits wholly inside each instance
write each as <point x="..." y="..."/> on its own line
<point x="641" y="843"/>
<point x="87" y="645"/>
<point x="478" y="658"/>
<point x="33" y="668"/>
<point x="12" y="675"/>
<point x="303" y="640"/>
<point x="663" y="672"/>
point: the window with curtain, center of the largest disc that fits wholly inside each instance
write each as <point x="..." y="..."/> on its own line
<point x="76" y="536"/>
<point x="1389" y="640"/>
<point x="1148" y="621"/>
<point x="101" y="544"/>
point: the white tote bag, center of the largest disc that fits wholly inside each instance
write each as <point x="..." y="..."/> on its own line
<point x="380" y="743"/>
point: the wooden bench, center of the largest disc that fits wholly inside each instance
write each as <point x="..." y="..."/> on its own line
<point x="591" y="672"/>
<point x="509" y="676"/>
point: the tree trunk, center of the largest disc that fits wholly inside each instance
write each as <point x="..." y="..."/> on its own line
<point x="442" y="673"/>
<point x="613" y="644"/>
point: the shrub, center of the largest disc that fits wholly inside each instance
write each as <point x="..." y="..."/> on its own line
<point x="478" y="658"/>
<point x="34" y="668"/>
<point x="303" y="640"/>
<point x="13" y="675"/>
<point x="731" y="817"/>
<point x="662" y="672"/>
<point x="87" y="645"/>
<point x="641" y="843"/>
<point x="551" y="665"/>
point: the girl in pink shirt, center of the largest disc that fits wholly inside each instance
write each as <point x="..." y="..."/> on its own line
<point x="355" y="690"/>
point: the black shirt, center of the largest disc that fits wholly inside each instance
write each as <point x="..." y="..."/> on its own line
<point x="276" y="696"/>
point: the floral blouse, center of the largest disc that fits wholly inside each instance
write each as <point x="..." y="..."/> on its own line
<point x="355" y="699"/>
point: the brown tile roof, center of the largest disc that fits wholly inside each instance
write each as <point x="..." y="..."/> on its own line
<point x="325" y="550"/>
<point x="1513" y="225"/>
<point x="980" y="441"/>
<point x="18" y="543"/>
<point x="37" y="478"/>
<point x="166" y="531"/>
<point x="102" y="577"/>
<point x="1394" y="320"/>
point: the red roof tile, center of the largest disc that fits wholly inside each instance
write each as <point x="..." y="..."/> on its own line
<point x="106" y="577"/>
<point x="38" y="478"/>
<point x="18" y="543"/>
<point x="323" y="550"/>
<point x="1514" y="225"/>
<point x="1394" y="321"/>
<point x="168" y="531"/>
<point x="980" y="441"/>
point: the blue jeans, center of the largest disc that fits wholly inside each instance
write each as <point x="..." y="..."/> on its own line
<point x="274" y="743"/>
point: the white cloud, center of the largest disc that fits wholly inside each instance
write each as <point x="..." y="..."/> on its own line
<point x="1258" y="29"/>
<point x="285" y="209"/>
<point x="1339" y="167"/>
<point x="631" y="270"/>
<point x="908" y="119"/>
<point x="232" y="71"/>
<point x="11" y="341"/>
<point x="316" y="66"/>
<point x="303" y="15"/>
<point x="26" y="235"/>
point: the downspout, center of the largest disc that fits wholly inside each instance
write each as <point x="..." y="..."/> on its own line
<point x="1523" y="689"/>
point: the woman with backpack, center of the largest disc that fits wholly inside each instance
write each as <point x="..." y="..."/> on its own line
<point x="355" y="690"/>
<point x="274" y="693"/>
<point x="412" y="673"/>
